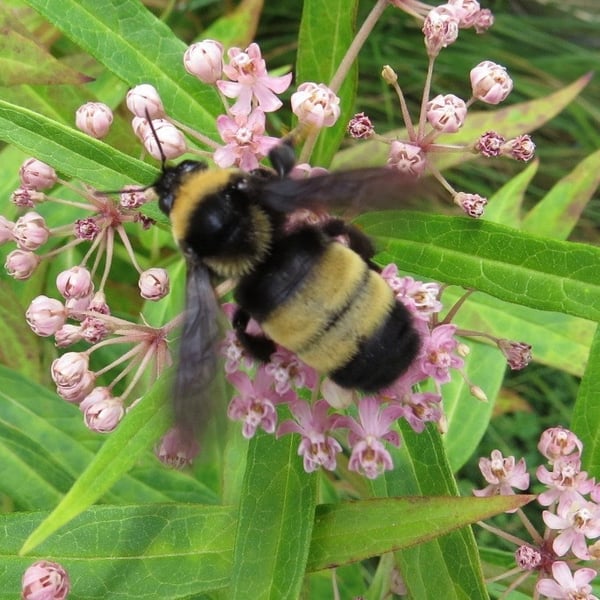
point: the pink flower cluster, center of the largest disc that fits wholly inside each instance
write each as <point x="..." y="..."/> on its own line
<point x="572" y="516"/>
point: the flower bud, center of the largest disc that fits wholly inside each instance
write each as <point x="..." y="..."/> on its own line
<point x="518" y="354"/>
<point x="45" y="316"/>
<point x="519" y="148"/>
<point x="36" y="175"/>
<point x="168" y="137"/>
<point x="407" y="158"/>
<point x="490" y="82"/>
<point x="483" y="20"/>
<point x="490" y="144"/>
<point x="21" y="264"/>
<point x="144" y="100"/>
<point x="338" y="397"/>
<point x="389" y="75"/>
<point x="45" y="580"/>
<point x="315" y="105"/>
<point x="204" y="60"/>
<point x="77" y="392"/>
<point x="102" y="412"/>
<point x="76" y="307"/>
<point x="466" y="11"/>
<point x="26" y="198"/>
<point x="75" y="282"/>
<point x="154" y="284"/>
<point x="360" y="127"/>
<point x="446" y="113"/>
<point x="69" y="369"/>
<point x="177" y="449"/>
<point x="6" y="230"/>
<point x="30" y="231"/>
<point x="67" y="335"/>
<point x="472" y="204"/>
<point x="94" y="118"/>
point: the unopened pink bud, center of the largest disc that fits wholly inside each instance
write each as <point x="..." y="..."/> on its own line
<point x="407" y="158"/>
<point x="94" y="118"/>
<point x="36" y="175"/>
<point x="446" y="113"/>
<point x="45" y="316"/>
<point x="102" y="412"/>
<point x="6" y="230"/>
<point x="78" y="391"/>
<point x="20" y="264"/>
<point x="30" y="231"/>
<point x="99" y="304"/>
<point x="45" y="580"/>
<point x="490" y="82"/>
<point x="75" y="282"/>
<point x="144" y="100"/>
<point x="76" y="307"/>
<point x="154" y="284"/>
<point x="168" y="137"/>
<point x="204" y="60"/>
<point x="67" y="335"/>
<point x="69" y="369"/>
<point x="315" y="105"/>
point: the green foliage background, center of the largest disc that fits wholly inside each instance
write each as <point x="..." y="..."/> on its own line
<point x="248" y="522"/>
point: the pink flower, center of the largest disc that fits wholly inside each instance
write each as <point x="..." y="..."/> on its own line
<point x="490" y="144"/>
<point x="250" y="81"/>
<point x="21" y="264"/>
<point x="75" y="282"/>
<point x="205" y="61"/>
<point x="255" y="406"/>
<point x="407" y="158"/>
<point x="440" y="29"/>
<point x="518" y="354"/>
<point x="576" y="521"/>
<point x="288" y="371"/>
<point x="369" y="455"/>
<point x="567" y="585"/>
<point x="438" y="356"/>
<point x="312" y="422"/>
<point x="503" y="474"/>
<point x="472" y="204"/>
<point x="557" y="442"/>
<point x="143" y="100"/>
<point x="360" y="127"/>
<point x="168" y="139"/>
<point x="446" y="113"/>
<point x="30" y="231"/>
<point x="244" y="139"/>
<point x="102" y="411"/>
<point x="566" y="482"/>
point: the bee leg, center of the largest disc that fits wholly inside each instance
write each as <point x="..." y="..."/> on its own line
<point x="283" y="157"/>
<point x="259" y="347"/>
<point x="357" y="240"/>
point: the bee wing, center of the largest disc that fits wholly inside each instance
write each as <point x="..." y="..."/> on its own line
<point x="377" y="187"/>
<point x="197" y="350"/>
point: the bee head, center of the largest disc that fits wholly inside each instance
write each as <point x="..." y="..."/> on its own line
<point x="170" y="179"/>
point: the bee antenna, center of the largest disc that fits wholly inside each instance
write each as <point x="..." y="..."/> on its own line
<point x="163" y="158"/>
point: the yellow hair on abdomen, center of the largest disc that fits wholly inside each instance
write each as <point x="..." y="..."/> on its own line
<point x="194" y="188"/>
<point x="341" y="303"/>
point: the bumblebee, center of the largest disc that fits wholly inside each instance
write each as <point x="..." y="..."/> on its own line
<point x="319" y="298"/>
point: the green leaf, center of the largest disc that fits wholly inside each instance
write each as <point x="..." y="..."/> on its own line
<point x="513" y="266"/>
<point x="237" y="28"/>
<point x="558" y="212"/>
<point x="586" y="413"/>
<point x="275" y="521"/>
<point x="352" y="531"/>
<point x="139" y="48"/>
<point x="23" y="60"/>
<point x="70" y="151"/>
<point x="327" y="24"/>
<point x="136" y="433"/>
